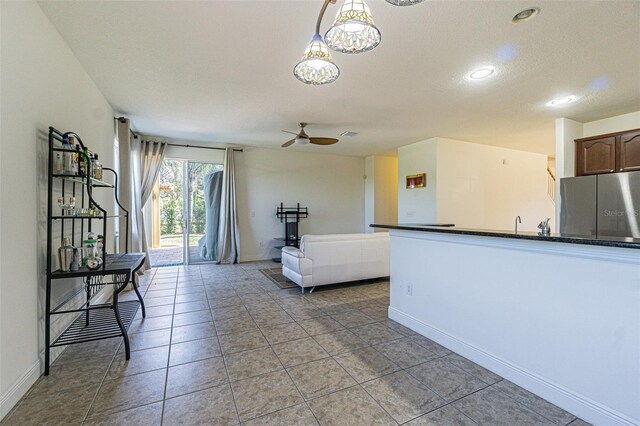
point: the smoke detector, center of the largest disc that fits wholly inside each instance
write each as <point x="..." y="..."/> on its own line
<point x="348" y="133"/>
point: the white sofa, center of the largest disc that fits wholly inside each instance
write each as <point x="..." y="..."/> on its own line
<point x="337" y="258"/>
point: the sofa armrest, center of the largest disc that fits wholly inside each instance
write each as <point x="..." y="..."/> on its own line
<point x="294" y="259"/>
<point x="292" y="251"/>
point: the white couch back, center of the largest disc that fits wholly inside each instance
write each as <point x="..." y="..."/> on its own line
<point x="347" y="257"/>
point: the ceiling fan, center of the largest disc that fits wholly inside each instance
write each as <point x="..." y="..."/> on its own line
<point x="303" y="138"/>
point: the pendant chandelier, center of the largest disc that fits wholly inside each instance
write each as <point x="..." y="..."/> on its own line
<point x="316" y="66"/>
<point x="353" y="31"/>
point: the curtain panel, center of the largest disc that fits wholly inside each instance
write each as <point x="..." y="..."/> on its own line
<point x="139" y="166"/>
<point x="146" y="160"/>
<point x="228" y="231"/>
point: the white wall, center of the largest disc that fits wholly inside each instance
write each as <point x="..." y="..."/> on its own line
<point x="481" y="186"/>
<point x="331" y="186"/>
<point x="418" y="205"/>
<point x="42" y="84"/>
<point x="469" y="185"/>
<point x="612" y="124"/>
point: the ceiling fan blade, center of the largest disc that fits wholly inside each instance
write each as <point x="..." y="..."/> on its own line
<point x="323" y="141"/>
<point x="286" y="131"/>
<point x="288" y="143"/>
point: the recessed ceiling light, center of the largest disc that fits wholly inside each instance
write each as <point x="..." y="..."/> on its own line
<point x="563" y="100"/>
<point x="481" y="73"/>
<point x="525" y="15"/>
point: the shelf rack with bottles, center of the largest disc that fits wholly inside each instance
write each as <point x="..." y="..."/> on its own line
<point x="93" y="321"/>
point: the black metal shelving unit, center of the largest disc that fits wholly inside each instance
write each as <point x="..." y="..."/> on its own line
<point x="93" y="321"/>
<point x="290" y="216"/>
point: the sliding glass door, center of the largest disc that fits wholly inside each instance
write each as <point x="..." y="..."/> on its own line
<point x="184" y="201"/>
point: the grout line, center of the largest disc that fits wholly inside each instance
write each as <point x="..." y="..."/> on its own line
<point x="166" y="376"/>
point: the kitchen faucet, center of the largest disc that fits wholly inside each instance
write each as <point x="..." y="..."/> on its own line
<point x="518" y="219"/>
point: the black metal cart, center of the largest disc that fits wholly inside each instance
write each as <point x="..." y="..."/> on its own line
<point x="94" y="321"/>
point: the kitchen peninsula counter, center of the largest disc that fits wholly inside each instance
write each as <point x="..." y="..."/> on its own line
<point x="523" y="235"/>
<point x="557" y="315"/>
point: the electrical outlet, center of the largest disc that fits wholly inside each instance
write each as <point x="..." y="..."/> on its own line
<point x="261" y="243"/>
<point x="409" y="289"/>
<point x="253" y="214"/>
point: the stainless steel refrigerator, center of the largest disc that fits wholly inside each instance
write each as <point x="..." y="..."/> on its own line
<point x="600" y="206"/>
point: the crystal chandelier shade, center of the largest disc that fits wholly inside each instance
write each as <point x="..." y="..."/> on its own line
<point x="353" y="30"/>
<point x="404" y="2"/>
<point x="316" y="66"/>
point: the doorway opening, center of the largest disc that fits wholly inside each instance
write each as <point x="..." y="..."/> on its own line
<point x="180" y="202"/>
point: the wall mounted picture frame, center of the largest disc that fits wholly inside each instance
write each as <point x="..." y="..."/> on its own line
<point x="417" y="181"/>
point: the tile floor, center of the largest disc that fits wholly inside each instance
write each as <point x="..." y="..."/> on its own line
<point x="223" y="345"/>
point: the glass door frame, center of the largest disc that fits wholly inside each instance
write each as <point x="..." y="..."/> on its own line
<point x="186" y="213"/>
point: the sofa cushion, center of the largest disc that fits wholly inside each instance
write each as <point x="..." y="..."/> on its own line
<point x="293" y="251"/>
<point x="311" y="238"/>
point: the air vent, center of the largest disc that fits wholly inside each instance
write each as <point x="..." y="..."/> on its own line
<point x="348" y="133"/>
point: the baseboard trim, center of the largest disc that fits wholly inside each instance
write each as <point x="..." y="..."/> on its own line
<point x="21" y="386"/>
<point x="583" y="407"/>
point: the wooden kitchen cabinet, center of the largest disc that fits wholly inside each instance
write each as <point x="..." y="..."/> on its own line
<point x="628" y="151"/>
<point x="610" y="153"/>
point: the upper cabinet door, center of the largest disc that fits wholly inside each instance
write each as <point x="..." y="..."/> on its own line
<point x="596" y="156"/>
<point x="628" y="152"/>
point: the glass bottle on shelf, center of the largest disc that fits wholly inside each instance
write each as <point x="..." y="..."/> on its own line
<point x="83" y="163"/>
<point x="67" y="156"/>
<point x="100" y="244"/>
<point x="76" y="163"/>
<point x="88" y="248"/>
<point x="58" y="162"/>
<point x="97" y="168"/>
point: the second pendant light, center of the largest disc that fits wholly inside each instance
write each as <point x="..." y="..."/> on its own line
<point x="353" y="30"/>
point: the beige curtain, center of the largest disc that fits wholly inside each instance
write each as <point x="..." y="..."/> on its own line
<point x="228" y="231"/>
<point x="146" y="161"/>
<point x="139" y="166"/>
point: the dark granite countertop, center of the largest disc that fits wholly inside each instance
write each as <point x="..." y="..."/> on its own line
<point x="621" y="242"/>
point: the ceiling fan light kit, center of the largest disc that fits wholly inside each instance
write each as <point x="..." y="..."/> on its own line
<point x="353" y="31"/>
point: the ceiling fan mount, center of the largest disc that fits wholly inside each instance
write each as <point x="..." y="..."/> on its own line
<point x="303" y="138"/>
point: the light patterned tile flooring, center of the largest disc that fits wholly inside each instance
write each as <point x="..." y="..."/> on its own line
<point x="223" y="345"/>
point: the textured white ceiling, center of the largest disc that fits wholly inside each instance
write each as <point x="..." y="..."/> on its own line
<point x="221" y="71"/>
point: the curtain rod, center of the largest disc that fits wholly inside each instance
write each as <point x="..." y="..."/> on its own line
<point x="201" y="147"/>
<point x="122" y="120"/>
